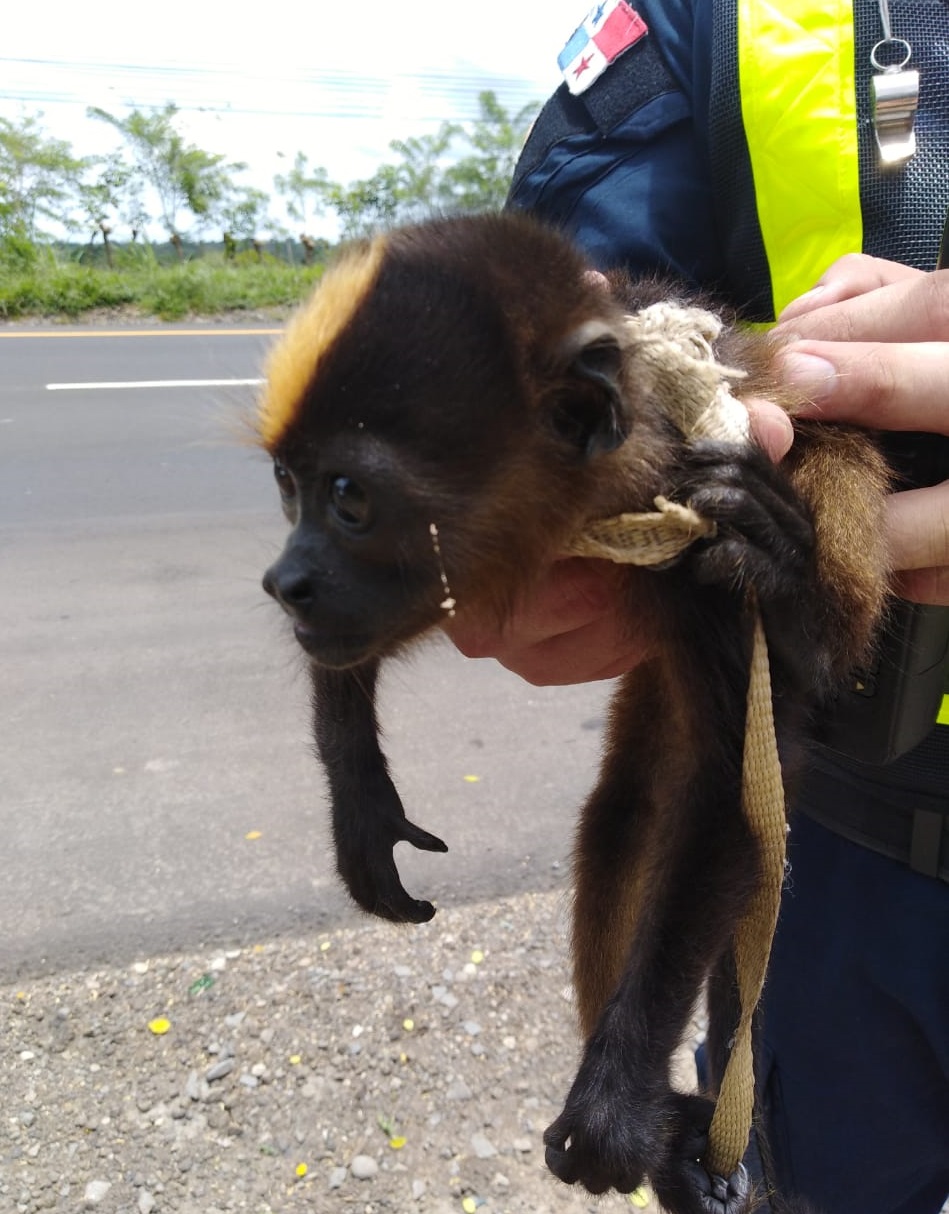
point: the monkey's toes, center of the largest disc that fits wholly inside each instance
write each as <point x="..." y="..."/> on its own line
<point x="722" y="1194"/>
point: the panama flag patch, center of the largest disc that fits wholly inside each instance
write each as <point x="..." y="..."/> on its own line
<point x="608" y="30"/>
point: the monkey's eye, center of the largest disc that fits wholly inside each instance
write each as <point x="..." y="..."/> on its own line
<point x="285" y="482"/>
<point x="349" y="502"/>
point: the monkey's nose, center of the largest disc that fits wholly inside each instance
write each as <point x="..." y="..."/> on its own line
<point x="290" y="585"/>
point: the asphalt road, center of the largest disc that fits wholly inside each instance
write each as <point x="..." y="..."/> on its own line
<point x="157" y="791"/>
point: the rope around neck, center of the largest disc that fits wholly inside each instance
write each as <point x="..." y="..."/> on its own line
<point x="675" y="344"/>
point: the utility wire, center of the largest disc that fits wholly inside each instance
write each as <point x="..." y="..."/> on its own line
<point x="337" y="94"/>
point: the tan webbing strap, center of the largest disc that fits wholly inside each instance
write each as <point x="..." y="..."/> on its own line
<point x="642" y="539"/>
<point x="764" y="809"/>
<point x="676" y="343"/>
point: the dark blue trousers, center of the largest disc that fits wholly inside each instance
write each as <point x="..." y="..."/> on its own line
<point x="856" y="1031"/>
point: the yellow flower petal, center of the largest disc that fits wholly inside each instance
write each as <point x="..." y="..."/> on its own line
<point x="471" y="779"/>
<point x="302" y="1169"/>
<point x="397" y="1143"/>
<point x="324" y="946"/>
<point x="469" y="1205"/>
<point x="253" y="834"/>
<point x="295" y="1060"/>
<point x="477" y="956"/>
<point x="159" y="1026"/>
<point x="408" y="1024"/>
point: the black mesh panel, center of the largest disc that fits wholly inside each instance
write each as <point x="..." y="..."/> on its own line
<point x="748" y="286"/>
<point x="904" y="207"/>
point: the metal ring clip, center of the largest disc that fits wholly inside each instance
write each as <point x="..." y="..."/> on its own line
<point x="891" y="67"/>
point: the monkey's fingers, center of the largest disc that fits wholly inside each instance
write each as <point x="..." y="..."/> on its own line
<point x="373" y="881"/>
<point x="743" y="490"/>
<point x="720" y="1194"/>
<point x="559" y="1159"/>
<point x="406" y="909"/>
<point x="389" y="899"/>
<point x="392" y="899"/>
<point x="570" y="1163"/>
<point x="420" y="838"/>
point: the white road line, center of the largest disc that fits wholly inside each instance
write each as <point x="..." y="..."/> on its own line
<point x="151" y="383"/>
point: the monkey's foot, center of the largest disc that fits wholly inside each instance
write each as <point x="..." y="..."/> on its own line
<point x="684" y="1185"/>
<point x="611" y="1133"/>
<point x="721" y="1195"/>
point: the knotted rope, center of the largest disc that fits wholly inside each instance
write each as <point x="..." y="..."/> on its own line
<point x="674" y="346"/>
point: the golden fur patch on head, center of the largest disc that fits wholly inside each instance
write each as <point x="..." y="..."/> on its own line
<point x="311" y="332"/>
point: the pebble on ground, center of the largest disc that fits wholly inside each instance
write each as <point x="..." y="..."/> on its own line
<point x="374" y="1068"/>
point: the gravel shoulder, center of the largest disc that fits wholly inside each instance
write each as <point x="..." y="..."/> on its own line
<point x="371" y="1068"/>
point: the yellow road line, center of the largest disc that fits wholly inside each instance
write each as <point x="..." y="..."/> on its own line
<point x="143" y="333"/>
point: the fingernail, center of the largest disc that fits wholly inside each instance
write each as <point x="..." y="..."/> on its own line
<point x="819" y="296"/>
<point x="814" y="377"/>
<point x="773" y="429"/>
<point x="803" y="303"/>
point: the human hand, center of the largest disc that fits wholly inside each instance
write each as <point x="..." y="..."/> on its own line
<point x="575" y="627"/>
<point x="870" y="345"/>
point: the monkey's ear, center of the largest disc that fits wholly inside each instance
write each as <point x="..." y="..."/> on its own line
<point x="589" y="410"/>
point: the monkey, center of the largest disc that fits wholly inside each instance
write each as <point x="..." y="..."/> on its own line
<point x="458" y="400"/>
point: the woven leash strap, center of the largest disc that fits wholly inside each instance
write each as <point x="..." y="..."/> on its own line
<point x="763" y="804"/>
<point x="675" y="343"/>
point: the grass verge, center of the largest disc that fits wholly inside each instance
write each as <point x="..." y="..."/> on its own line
<point x="204" y="286"/>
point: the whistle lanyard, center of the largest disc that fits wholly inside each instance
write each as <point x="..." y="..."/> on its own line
<point x="894" y="94"/>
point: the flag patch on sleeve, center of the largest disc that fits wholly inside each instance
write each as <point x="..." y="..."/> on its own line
<point x="607" y="31"/>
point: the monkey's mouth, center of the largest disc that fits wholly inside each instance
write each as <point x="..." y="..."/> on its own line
<point x="332" y="649"/>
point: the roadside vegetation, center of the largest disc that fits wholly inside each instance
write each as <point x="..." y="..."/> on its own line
<point x="58" y="286"/>
<point x="74" y="230"/>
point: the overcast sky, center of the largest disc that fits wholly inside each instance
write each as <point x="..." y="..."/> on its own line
<point x="337" y="81"/>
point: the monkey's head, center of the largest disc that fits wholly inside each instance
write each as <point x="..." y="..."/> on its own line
<point x="441" y="383"/>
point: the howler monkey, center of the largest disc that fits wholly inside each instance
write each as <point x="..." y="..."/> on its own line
<point x="455" y="403"/>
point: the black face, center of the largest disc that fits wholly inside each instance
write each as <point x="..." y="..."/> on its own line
<point x="359" y="574"/>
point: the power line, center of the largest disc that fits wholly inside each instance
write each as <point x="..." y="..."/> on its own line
<point x="332" y="78"/>
<point x="347" y="95"/>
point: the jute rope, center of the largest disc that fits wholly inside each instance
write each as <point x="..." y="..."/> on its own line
<point x="675" y="344"/>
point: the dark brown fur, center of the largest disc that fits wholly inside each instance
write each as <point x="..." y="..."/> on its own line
<point x="482" y="384"/>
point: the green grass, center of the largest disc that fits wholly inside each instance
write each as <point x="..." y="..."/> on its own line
<point x="140" y="285"/>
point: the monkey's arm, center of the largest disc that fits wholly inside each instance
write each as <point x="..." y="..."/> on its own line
<point x="367" y="814"/>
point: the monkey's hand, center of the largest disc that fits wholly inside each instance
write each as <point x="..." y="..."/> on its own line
<point x="368" y="817"/>
<point x="366" y="830"/>
<point x="765" y="541"/>
<point x="764" y="538"/>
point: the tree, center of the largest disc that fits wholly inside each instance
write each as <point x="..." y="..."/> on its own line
<point x="182" y="176"/>
<point x="420" y="177"/>
<point x="242" y="215"/>
<point x="305" y="190"/>
<point x="364" y="206"/>
<point x="434" y="174"/>
<point x="480" y="180"/>
<point x="38" y="177"/>
<point x="103" y="197"/>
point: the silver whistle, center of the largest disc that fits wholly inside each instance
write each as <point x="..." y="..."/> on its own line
<point x="894" y="98"/>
